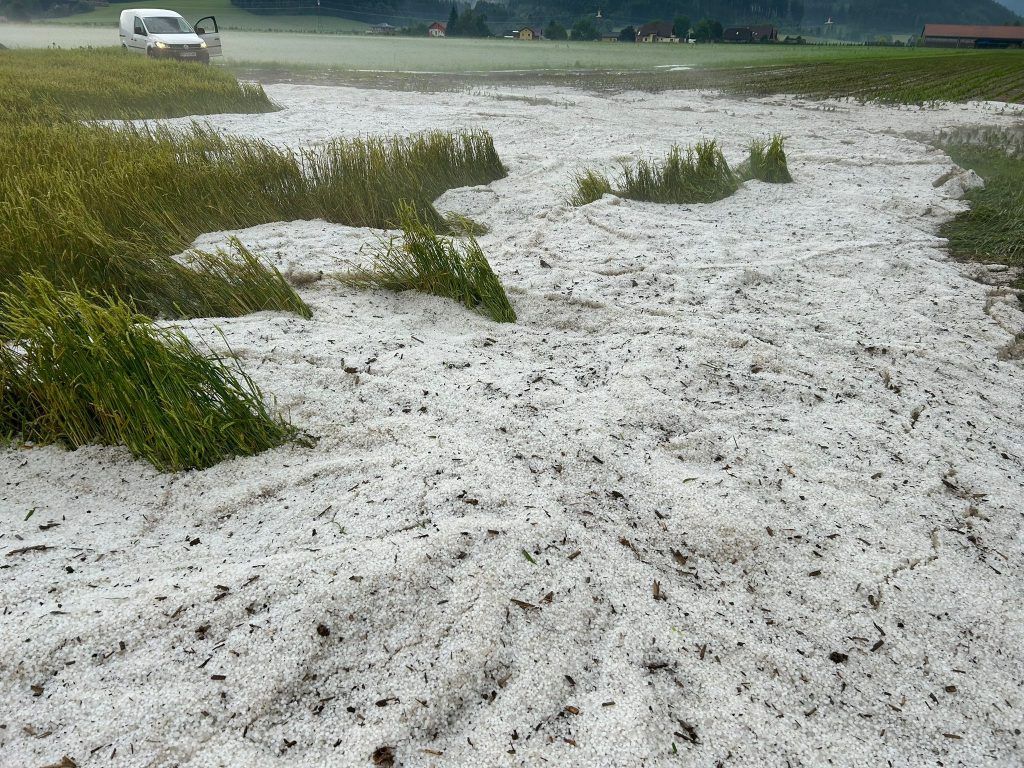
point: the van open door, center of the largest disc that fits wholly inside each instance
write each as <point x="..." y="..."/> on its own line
<point x="137" y="41"/>
<point x="207" y="29"/>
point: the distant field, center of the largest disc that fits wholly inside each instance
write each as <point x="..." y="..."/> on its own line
<point x="499" y="55"/>
<point x="944" y="76"/>
<point x="899" y="75"/>
<point x="228" y="17"/>
<point x="364" y="52"/>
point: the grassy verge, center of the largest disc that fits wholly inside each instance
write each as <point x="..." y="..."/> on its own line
<point x="91" y="370"/>
<point x="700" y="174"/>
<point x="83" y="84"/>
<point x="421" y="260"/>
<point x="992" y="231"/>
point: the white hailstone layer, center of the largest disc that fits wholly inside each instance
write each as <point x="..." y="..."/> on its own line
<point x="788" y="409"/>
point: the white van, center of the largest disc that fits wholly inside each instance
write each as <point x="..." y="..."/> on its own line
<point x="165" y="34"/>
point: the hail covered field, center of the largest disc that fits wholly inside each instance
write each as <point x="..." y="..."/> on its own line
<point x="742" y="485"/>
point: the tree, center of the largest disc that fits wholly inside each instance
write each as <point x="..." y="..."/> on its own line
<point x="707" y="31"/>
<point x="585" y="29"/>
<point x="473" y="23"/>
<point x="627" y="35"/>
<point x="555" y="31"/>
<point x="681" y="27"/>
<point x="493" y="11"/>
<point x="796" y="12"/>
<point x="18" y="10"/>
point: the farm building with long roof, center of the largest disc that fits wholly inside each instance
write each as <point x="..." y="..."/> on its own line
<point x="971" y="36"/>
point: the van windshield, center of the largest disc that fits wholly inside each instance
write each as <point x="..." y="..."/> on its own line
<point x="167" y="25"/>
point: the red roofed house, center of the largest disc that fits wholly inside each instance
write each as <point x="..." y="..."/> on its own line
<point x="437" y="29"/>
<point x="971" y="36"/>
<point x="656" y="32"/>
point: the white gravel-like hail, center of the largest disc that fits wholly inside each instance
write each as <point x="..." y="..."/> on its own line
<point x="787" y="409"/>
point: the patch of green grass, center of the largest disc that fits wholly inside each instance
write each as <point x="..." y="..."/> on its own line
<point x="107" y="83"/>
<point x="366" y="182"/>
<point x="235" y="282"/>
<point x="992" y="230"/>
<point x="767" y="161"/>
<point x="92" y="370"/>
<point x="457" y="224"/>
<point x="700" y="174"/>
<point x="103" y="208"/>
<point x="421" y="260"/>
<point x="590" y="186"/>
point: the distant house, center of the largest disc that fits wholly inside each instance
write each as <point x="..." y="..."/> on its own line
<point x="736" y="35"/>
<point x="437" y="29"/>
<point x="381" y="29"/>
<point x="528" y="33"/>
<point x="656" y="32"/>
<point x="609" y="38"/>
<point x="750" y="34"/>
<point x="971" y="36"/>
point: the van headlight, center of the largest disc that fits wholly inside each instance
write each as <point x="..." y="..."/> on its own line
<point x="202" y="44"/>
<point x="160" y="44"/>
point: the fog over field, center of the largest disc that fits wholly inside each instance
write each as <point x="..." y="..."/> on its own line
<point x="449" y="55"/>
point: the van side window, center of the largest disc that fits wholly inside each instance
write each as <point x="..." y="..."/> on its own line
<point x="139" y="29"/>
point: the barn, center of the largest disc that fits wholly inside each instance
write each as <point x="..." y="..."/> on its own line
<point x="971" y="36"/>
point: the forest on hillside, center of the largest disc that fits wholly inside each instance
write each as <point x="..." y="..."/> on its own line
<point x="906" y="16"/>
<point x="850" y="16"/>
